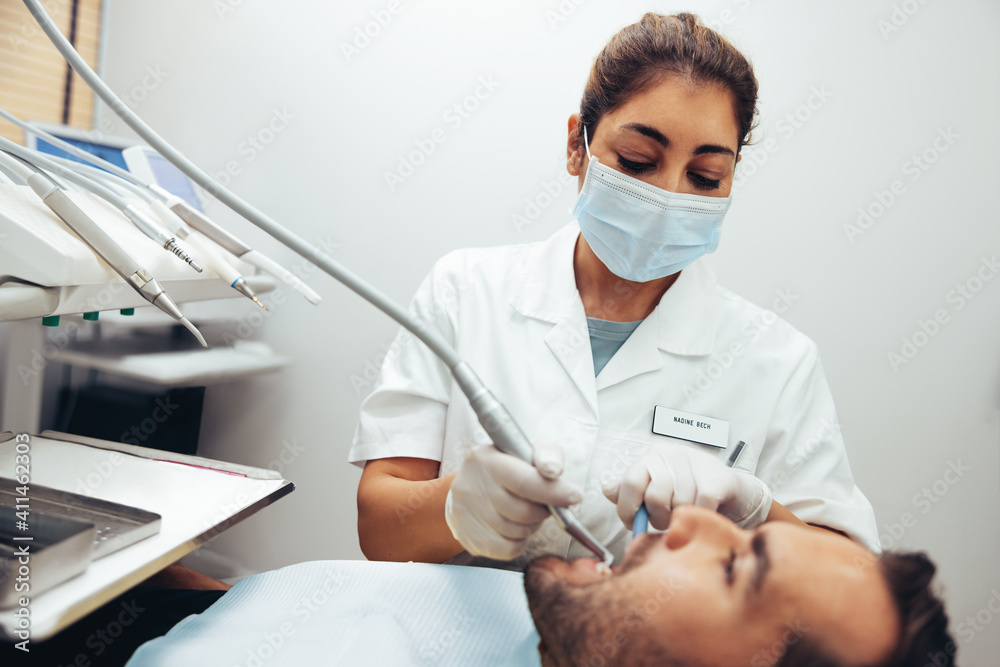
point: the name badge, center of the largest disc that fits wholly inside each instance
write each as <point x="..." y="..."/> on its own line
<point x="688" y="426"/>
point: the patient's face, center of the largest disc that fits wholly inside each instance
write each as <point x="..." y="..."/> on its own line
<point x="710" y="593"/>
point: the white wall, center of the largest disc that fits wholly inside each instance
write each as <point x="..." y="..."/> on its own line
<point x="226" y="66"/>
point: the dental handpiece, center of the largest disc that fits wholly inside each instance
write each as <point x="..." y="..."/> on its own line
<point x="201" y="223"/>
<point x="148" y="226"/>
<point x="640" y="524"/>
<point x="104" y="245"/>
<point x="508" y="437"/>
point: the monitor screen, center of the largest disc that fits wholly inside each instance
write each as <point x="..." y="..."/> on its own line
<point x="171" y="179"/>
<point x="112" y="154"/>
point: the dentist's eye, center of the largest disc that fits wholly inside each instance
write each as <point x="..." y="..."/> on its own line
<point x="635" y="167"/>
<point x="703" y="183"/>
<point x="729" y="568"/>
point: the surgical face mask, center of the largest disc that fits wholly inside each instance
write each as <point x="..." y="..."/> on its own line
<point x="642" y="232"/>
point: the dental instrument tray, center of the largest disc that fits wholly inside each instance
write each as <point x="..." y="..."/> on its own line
<point x="68" y="530"/>
<point x="59" y="549"/>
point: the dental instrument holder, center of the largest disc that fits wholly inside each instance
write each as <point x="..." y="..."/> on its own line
<point x="103" y="244"/>
<point x="508" y="437"/>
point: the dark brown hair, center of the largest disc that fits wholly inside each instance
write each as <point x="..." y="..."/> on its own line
<point x="643" y="53"/>
<point x="924" y="637"/>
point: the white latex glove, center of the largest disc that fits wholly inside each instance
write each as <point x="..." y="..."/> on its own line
<point x="497" y="501"/>
<point x="669" y="475"/>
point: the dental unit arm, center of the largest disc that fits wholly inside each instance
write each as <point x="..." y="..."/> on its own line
<point x="493" y="416"/>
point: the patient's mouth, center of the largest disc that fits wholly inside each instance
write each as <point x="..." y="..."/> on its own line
<point x="587" y="571"/>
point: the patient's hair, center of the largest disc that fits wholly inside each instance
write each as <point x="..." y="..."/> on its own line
<point x="644" y="53"/>
<point x="924" y="638"/>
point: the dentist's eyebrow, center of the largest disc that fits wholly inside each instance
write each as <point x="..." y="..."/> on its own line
<point x="759" y="547"/>
<point x="647" y="131"/>
<point x="714" y="148"/>
<point x="659" y="138"/>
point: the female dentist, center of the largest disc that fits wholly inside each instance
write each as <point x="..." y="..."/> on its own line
<point x="633" y="373"/>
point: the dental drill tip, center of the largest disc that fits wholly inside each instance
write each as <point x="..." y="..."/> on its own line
<point x="571" y="524"/>
<point x="240" y="285"/>
<point x="196" y="266"/>
<point x="257" y="301"/>
<point x="197" y="334"/>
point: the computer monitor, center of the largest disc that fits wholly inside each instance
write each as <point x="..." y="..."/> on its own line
<point x="105" y="146"/>
<point x="152" y="167"/>
<point x="123" y="152"/>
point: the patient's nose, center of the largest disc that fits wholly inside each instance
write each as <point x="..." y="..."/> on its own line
<point x="689" y="524"/>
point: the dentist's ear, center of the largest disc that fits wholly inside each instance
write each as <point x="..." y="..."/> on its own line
<point x="573" y="164"/>
<point x="574" y="148"/>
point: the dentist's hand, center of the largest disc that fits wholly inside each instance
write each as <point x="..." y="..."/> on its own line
<point x="497" y="501"/>
<point x="669" y="475"/>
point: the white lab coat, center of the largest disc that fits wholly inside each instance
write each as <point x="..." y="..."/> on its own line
<point x="515" y="315"/>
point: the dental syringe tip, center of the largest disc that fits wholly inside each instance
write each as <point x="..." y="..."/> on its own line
<point x="197" y="334"/>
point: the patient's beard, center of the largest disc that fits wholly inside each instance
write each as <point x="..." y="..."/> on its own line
<point x="576" y="623"/>
<point x="602" y="622"/>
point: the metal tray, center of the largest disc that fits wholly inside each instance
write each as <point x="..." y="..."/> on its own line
<point x="117" y="525"/>
<point x="59" y="549"/>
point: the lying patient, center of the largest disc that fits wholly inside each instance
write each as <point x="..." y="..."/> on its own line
<point x="710" y="593"/>
<point x="705" y="593"/>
